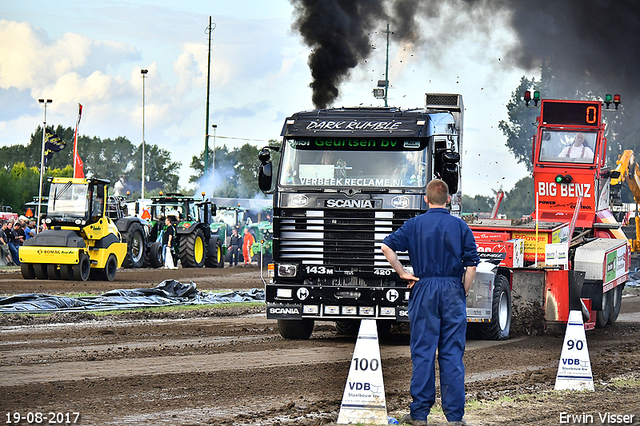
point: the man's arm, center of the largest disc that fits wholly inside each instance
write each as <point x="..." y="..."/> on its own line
<point x="469" y="275"/>
<point x="392" y="257"/>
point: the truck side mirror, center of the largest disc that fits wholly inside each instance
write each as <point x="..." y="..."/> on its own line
<point x="265" y="175"/>
<point x="450" y="170"/>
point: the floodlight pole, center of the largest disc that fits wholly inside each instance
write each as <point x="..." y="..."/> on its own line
<point x="143" y="72"/>
<point x="208" y="30"/>
<point x="44" y="102"/>
<point x="386" y="73"/>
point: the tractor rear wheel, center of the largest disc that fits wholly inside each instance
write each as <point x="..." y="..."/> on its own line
<point x="192" y="249"/>
<point x="134" y="237"/>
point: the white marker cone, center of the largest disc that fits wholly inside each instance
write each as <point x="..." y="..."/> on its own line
<point x="364" y="400"/>
<point x="574" y="369"/>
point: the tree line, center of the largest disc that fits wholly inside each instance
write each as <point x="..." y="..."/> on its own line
<point x="236" y="169"/>
<point x="112" y="158"/>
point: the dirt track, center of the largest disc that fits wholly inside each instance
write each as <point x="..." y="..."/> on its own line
<point x="231" y="366"/>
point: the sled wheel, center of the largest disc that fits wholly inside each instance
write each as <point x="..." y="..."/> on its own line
<point x="616" y="301"/>
<point x="602" y="317"/>
<point x="500" y="325"/>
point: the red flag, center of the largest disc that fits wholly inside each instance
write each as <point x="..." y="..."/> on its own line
<point x="78" y="168"/>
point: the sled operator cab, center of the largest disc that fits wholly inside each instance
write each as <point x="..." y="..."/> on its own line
<point x="569" y="153"/>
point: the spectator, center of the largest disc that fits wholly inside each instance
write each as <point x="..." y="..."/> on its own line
<point x="234" y="247"/>
<point x="15" y="241"/>
<point x="246" y="247"/>
<point x="4" y="246"/>
<point x="29" y="230"/>
<point x="168" y="241"/>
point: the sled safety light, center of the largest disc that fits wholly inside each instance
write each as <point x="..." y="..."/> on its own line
<point x="608" y="99"/>
<point x="564" y="179"/>
<point x="528" y="98"/>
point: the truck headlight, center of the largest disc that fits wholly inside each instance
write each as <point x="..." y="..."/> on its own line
<point x="287" y="270"/>
<point x="284" y="293"/>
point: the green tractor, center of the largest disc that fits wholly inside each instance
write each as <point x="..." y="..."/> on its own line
<point x="263" y="247"/>
<point x="227" y="218"/>
<point x="142" y="251"/>
<point x="199" y="241"/>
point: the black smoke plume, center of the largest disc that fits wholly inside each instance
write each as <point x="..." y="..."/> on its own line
<point x="581" y="40"/>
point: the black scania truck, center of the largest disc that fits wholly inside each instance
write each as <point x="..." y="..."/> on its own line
<point x="346" y="178"/>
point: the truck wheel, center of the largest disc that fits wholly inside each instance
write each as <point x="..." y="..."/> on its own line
<point x="616" y="301"/>
<point x="134" y="237"/>
<point x="110" y="268"/>
<point x="53" y="272"/>
<point x="192" y="249"/>
<point x="500" y="325"/>
<point x="41" y="271"/>
<point x="295" y="329"/>
<point x="82" y="270"/>
<point x="27" y="271"/>
<point x="348" y="327"/>
<point x="352" y="327"/>
<point x="153" y="258"/>
<point x="602" y="317"/>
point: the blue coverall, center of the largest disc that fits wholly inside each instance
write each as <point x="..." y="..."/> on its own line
<point x="440" y="246"/>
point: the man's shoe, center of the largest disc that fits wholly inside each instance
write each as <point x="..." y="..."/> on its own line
<point x="410" y="420"/>
<point x="458" y="423"/>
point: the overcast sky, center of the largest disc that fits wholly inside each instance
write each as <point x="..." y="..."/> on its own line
<point x="91" y="52"/>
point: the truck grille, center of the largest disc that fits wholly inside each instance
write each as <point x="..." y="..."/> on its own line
<point x="335" y="237"/>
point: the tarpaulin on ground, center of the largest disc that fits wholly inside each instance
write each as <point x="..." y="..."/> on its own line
<point x="167" y="293"/>
<point x="634" y="279"/>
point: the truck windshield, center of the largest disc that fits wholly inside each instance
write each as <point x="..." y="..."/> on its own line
<point x="67" y="200"/>
<point x="567" y="146"/>
<point x="350" y="162"/>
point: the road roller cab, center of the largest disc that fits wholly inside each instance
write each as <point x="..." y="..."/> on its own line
<point x="80" y="240"/>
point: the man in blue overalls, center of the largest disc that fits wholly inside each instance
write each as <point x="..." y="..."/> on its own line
<point x="443" y="255"/>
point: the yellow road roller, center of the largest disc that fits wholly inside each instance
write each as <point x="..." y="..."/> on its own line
<point x="80" y="240"/>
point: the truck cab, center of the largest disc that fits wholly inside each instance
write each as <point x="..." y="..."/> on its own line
<point x="348" y="177"/>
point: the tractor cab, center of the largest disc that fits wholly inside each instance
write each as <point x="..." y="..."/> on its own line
<point x="569" y="153"/>
<point x="76" y="201"/>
